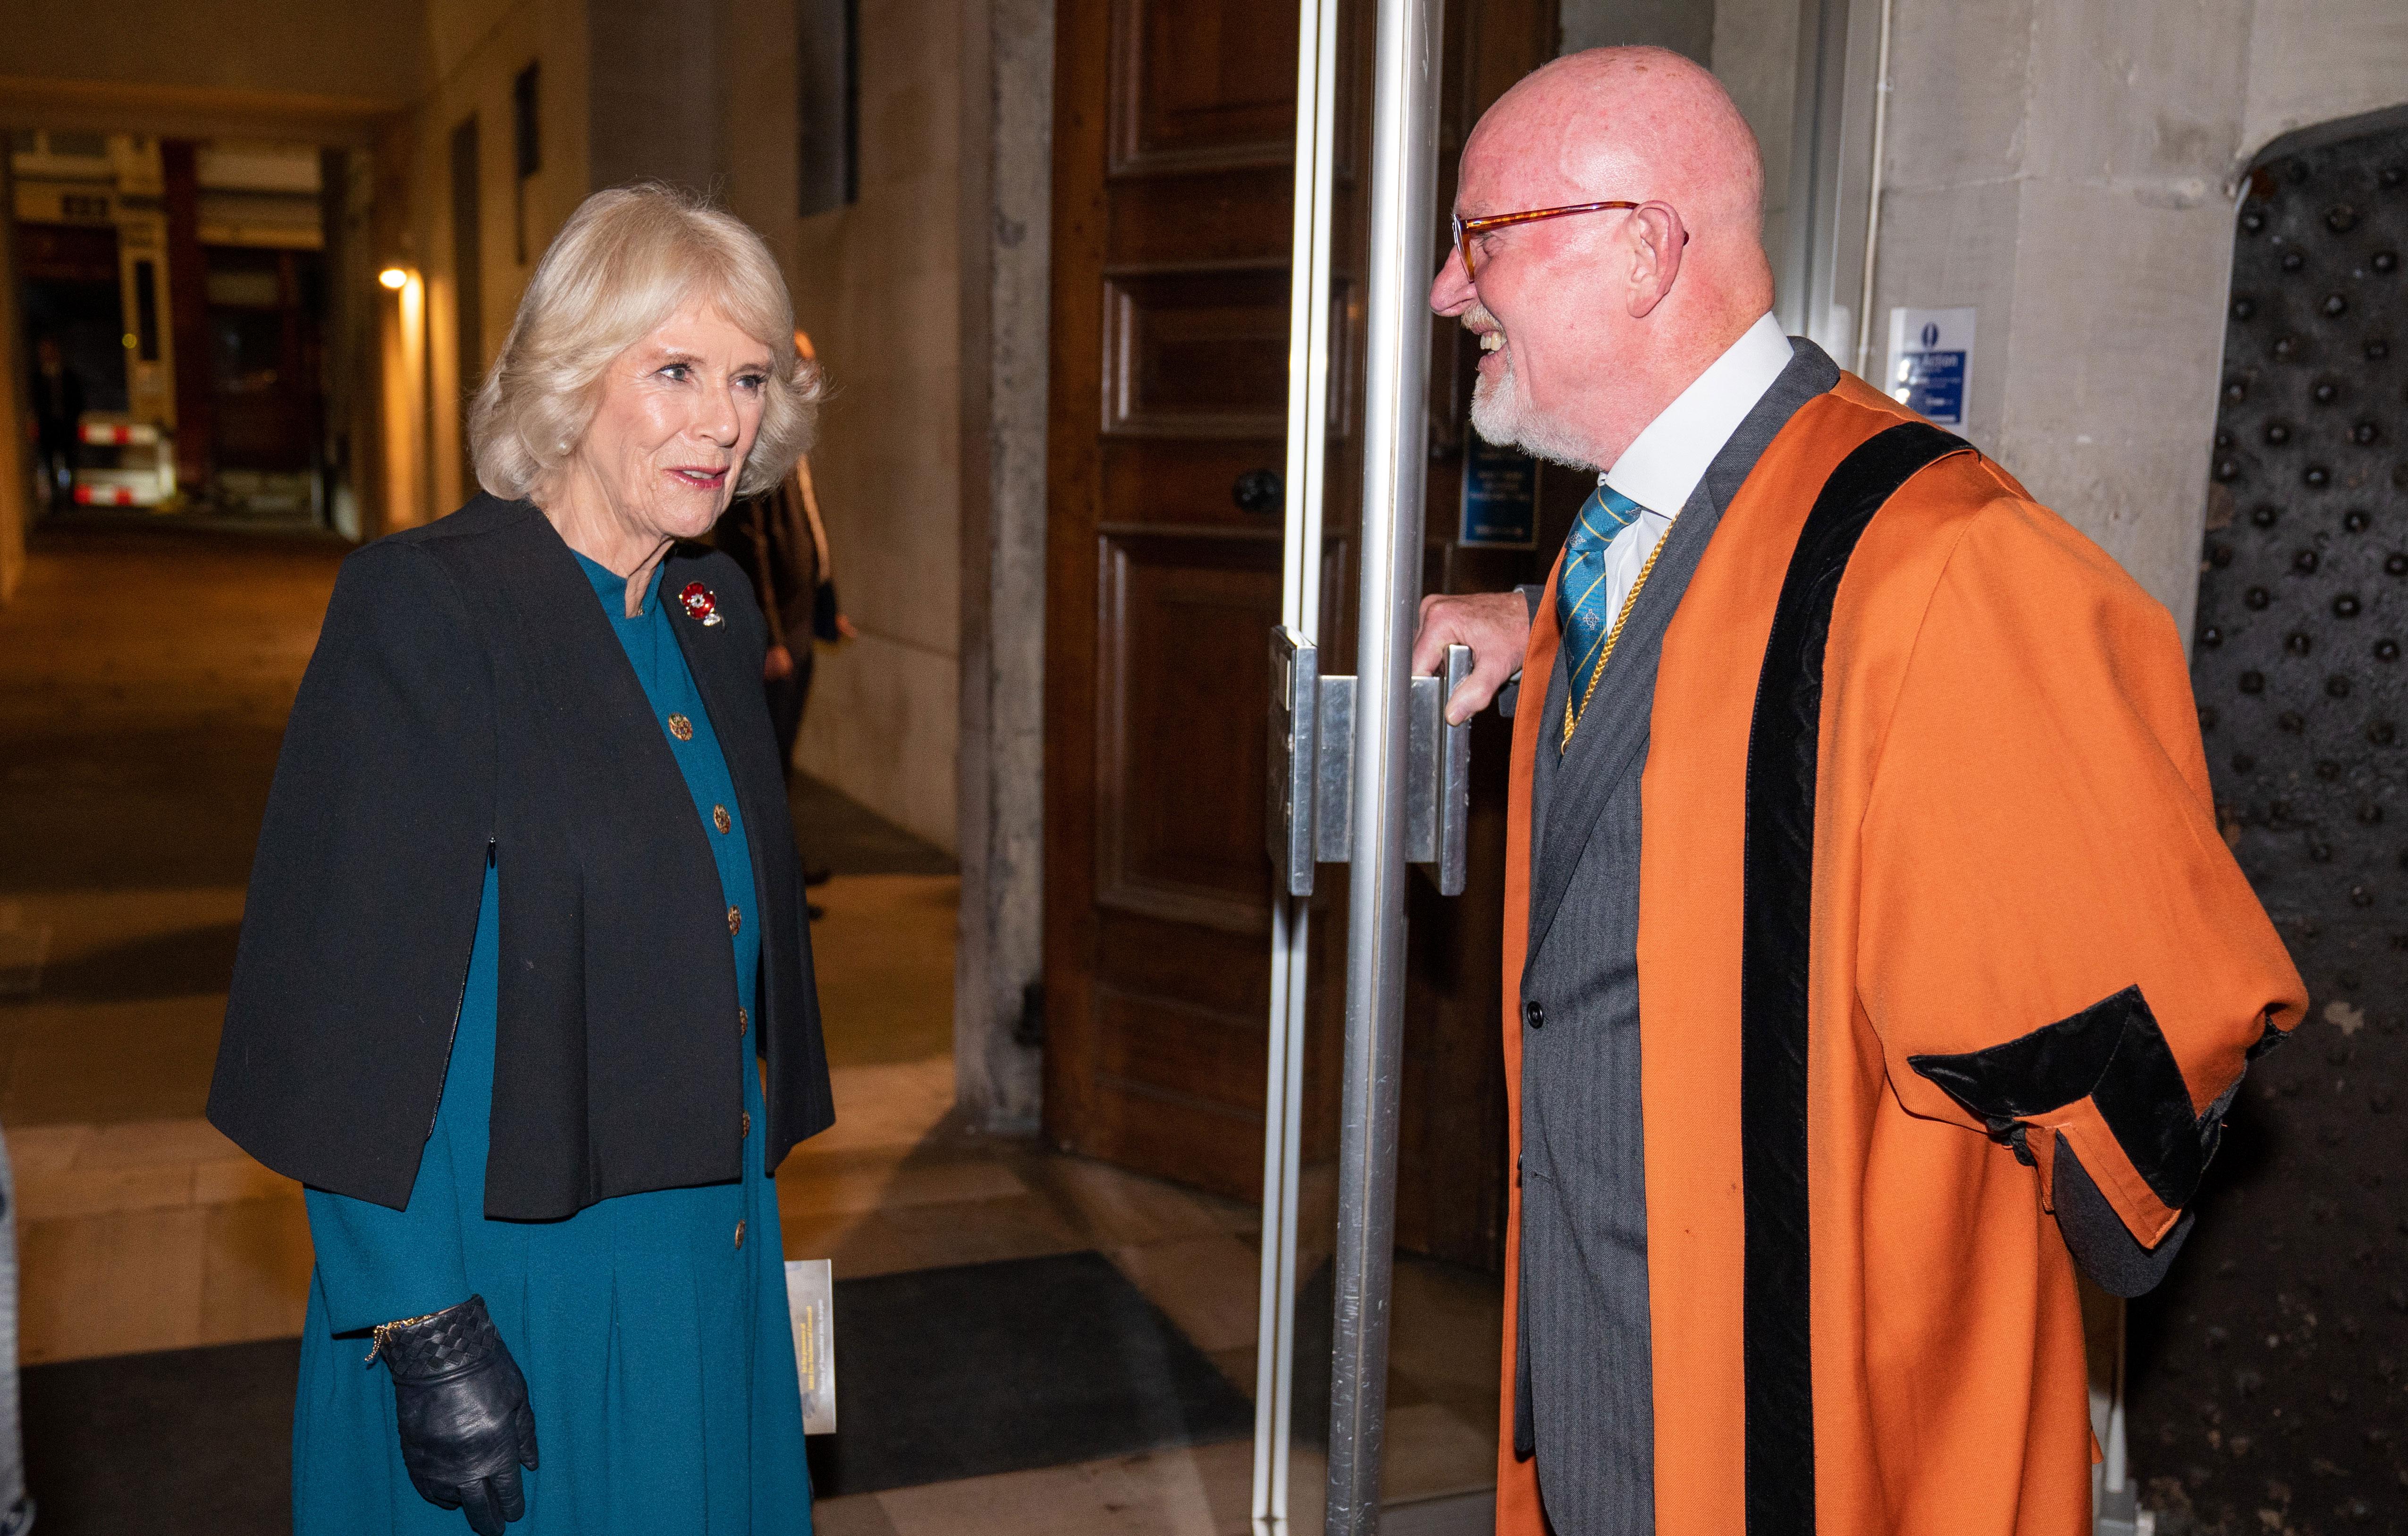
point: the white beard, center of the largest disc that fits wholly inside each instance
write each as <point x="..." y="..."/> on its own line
<point x="1500" y="414"/>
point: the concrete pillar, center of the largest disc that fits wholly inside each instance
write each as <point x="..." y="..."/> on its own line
<point x="1006" y="231"/>
<point x="2066" y="168"/>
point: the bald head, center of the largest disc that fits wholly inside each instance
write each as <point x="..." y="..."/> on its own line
<point x="1645" y="122"/>
<point x="1606" y="316"/>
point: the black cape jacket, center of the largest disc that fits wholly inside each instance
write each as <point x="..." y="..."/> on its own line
<point x="467" y="695"/>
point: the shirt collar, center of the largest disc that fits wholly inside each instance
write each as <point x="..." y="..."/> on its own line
<point x="1664" y="464"/>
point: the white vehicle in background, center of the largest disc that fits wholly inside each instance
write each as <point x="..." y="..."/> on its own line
<point x="122" y="462"/>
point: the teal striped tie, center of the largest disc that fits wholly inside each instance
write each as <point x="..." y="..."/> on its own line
<point x="1579" y="597"/>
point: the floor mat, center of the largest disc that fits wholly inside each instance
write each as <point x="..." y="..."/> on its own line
<point x="838" y="833"/>
<point x="1030" y="1362"/>
<point x="940" y="1373"/>
<point x="181" y="1442"/>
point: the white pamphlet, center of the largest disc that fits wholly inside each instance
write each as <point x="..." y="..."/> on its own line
<point x="810" y="1306"/>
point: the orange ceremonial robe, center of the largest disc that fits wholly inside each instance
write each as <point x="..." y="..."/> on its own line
<point x="2012" y="826"/>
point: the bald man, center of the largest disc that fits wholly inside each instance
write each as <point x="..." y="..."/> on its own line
<point x="1872" y="955"/>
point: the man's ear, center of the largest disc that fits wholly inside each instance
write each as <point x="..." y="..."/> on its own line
<point x="1658" y="238"/>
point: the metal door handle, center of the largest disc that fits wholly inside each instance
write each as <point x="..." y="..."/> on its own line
<point x="1312" y="788"/>
<point x="1259" y="492"/>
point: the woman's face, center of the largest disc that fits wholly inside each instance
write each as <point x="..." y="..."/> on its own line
<point x="677" y="415"/>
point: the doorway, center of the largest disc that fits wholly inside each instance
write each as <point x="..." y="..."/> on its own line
<point x="1174" y="134"/>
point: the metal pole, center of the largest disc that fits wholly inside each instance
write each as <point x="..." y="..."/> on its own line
<point x="1394" y="461"/>
<point x="1308" y="437"/>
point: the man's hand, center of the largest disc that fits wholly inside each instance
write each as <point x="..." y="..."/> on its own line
<point x="1496" y="627"/>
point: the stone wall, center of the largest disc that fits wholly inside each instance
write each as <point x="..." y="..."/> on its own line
<point x="478" y="47"/>
<point x="2069" y="169"/>
<point x="2318" y="61"/>
<point x="877" y="286"/>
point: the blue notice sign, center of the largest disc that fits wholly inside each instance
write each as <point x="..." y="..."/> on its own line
<point x="1934" y="386"/>
<point x="1500" y="497"/>
<point x="1930" y="356"/>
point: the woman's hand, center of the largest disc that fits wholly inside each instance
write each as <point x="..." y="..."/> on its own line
<point x="462" y="1409"/>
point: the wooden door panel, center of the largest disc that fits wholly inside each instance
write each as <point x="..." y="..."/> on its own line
<point x="1184" y="695"/>
<point x="1184" y="221"/>
<point x="1168" y="381"/>
<point x="1197" y="354"/>
<point x="1184" y="483"/>
<point x="1203" y="83"/>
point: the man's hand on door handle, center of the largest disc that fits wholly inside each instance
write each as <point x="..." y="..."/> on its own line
<point x="1496" y="627"/>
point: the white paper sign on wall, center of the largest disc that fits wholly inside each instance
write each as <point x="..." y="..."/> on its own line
<point x="1931" y="363"/>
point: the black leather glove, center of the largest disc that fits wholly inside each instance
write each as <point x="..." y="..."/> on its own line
<point x="462" y="1406"/>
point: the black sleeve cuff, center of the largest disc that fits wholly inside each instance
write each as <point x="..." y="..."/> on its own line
<point x="2096" y="1237"/>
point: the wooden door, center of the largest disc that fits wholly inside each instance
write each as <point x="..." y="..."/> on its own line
<point x="1174" y="131"/>
<point x="1174" y="135"/>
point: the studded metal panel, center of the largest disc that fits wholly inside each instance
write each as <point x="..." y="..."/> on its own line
<point x="2270" y="1375"/>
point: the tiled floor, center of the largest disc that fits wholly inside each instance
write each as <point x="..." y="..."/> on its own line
<point x="142" y="684"/>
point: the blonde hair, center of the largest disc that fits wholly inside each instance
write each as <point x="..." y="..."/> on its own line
<point x="627" y="260"/>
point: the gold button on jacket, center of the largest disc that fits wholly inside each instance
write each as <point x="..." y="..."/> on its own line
<point x="721" y="819"/>
<point x="735" y="920"/>
<point x="739" y="1234"/>
<point x="680" y="728"/>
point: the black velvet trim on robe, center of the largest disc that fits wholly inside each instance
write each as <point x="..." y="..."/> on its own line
<point x="1784" y="745"/>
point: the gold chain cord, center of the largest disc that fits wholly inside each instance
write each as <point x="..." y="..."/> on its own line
<point x="1613" y="638"/>
<point x="378" y="1333"/>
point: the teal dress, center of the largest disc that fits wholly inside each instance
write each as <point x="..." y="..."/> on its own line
<point x="652" y="1328"/>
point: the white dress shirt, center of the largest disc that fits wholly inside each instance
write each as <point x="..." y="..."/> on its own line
<point x="1664" y="464"/>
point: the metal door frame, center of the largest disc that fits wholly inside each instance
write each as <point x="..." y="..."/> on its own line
<point x="1404" y="122"/>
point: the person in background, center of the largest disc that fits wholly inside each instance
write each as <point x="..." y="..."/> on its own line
<point x="780" y="540"/>
<point x="524" y="996"/>
<point x="57" y="398"/>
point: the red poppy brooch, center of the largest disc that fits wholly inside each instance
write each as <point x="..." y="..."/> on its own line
<point x="700" y="604"/>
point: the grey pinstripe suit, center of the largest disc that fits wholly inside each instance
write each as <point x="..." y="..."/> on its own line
<point x="1583" y="1386"/>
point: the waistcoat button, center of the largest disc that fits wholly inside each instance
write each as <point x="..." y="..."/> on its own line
<point x="1534" y="1015"/>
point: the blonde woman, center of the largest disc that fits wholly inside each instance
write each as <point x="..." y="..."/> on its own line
<point x="526" y="925"/>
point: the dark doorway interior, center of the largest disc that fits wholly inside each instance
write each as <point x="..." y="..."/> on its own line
<point x="263" y="309"/>
<point x="68" y="289"/>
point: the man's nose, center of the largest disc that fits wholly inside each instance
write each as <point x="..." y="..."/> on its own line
<point x="1452" y="292"/>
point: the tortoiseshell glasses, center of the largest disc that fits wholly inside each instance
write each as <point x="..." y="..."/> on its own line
<point x="1465" y="229"/>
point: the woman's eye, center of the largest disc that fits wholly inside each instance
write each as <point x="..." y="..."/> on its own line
<point x="676" y="373"/>
<point x="753" y="381"/>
